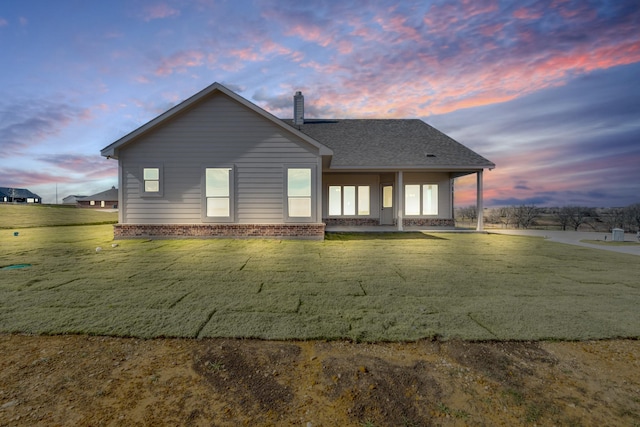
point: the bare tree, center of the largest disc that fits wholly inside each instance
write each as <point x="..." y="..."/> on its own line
<point x="562" y="215"/>
<point x="632" y="217"/>
<point x="577" y="215"/>
<point x="522" y="216"/>
<point x="468" y="212"/>
<point x="472" y="212"/>
<point x="525" y="215"/>
<point x="613" y="218"/>
<point x="495" y="217"/>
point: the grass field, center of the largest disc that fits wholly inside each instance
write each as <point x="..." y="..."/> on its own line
<point x="360" y="287"/>
<point x="24" y="216"/>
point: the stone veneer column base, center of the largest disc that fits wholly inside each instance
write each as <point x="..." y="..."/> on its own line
<point x="352" y="222"/>
<point x="428" y="222"/>
<point x="265" y="231"/>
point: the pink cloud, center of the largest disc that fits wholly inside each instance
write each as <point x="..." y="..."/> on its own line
<point x="179" y="62"/>
<point x="264" y="50"/>
<point x="491" y="30"/>
<point x="473" y="8"/>
<point x="3" y="22"/>
<point x="159" y="11"/>
<point x="398" y="24"/>
<point x="527" y="14"/>
<point x="20" y="178"/>
<point x="90" y="166"/>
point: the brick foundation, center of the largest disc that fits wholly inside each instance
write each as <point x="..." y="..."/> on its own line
<point x="428" y="222"/>
<point x="280" y="231"/>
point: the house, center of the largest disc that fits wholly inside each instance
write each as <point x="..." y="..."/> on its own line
<point x="104" y="200"/>
<point x="218" y="165"/>
<point x="72" y="199"/>
<point x="18" y="195"/>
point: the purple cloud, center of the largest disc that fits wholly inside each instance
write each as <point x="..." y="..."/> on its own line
<point x="28" y="123"/>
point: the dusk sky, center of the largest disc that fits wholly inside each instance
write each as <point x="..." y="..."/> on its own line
<point x="547" y="90"/>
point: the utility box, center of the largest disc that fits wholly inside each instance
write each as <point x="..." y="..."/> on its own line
<point x="618" y="235"/>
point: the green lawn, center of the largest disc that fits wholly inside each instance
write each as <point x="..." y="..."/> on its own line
<point x="367" y="288"/>
<point x="22" y="216"/>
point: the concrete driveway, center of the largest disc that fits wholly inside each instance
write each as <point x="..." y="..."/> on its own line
<point x="575" y="237"/>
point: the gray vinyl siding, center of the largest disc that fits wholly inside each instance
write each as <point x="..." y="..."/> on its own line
<point x="217" y="132"/>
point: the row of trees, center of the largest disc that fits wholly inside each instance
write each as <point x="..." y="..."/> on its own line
<point x="522" y="216"/>
<point x="525" y="216"/>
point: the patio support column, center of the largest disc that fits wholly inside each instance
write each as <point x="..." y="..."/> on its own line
<point x="479" y="207"/>
<point x="400" y="196"/>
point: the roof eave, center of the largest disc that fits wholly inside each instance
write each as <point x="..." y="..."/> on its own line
<point x="448" y="168"/>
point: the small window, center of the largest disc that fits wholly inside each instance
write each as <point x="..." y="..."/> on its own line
<point x="151" y="178"/>
<point x="421" y="199"/>
<point x="349" y="200"/>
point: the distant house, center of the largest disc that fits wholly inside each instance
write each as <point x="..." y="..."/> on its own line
<point x="18" y="195"/>
<point x="218" y="165"/>
<point x="72" y="199"/>
<point x="104" y="200"/>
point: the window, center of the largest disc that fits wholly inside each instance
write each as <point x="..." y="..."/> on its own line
<point x="421" y="199"/>
<point x="299" y="192"/>
<point x="429" y="200"/>
<point x="151" y="178"/>
<point x="218" y="193"/>
<point x="349" y="200"/>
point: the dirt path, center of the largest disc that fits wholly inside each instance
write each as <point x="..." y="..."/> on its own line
<point x="94" y="381"/>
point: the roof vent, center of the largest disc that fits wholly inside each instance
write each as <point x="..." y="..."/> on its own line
<point x="298" y="109"/>
<point x="430" y="155"/>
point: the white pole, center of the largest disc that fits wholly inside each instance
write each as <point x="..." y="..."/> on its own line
<point x="479" y="207"/>
<point x="400" y="194"/>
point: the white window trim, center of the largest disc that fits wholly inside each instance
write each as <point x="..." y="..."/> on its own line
<point x="314" y="196"/>
<point x="232" y="195"/>
<point x="160" y="192"/>
<point x="356" y="201"/>
<point x="421" y="201"/>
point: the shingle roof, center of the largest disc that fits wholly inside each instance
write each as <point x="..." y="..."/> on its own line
<point x="108" y="195"/>
<point x="390" y="143"/>
<point x="18" y="193"/>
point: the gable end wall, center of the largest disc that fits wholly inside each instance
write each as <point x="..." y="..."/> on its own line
<point x="217" y="132"/>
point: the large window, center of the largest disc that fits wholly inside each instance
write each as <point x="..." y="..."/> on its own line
<point x="299" y="190"/>
<point x="349" y="200"/>
<point x="218" y="193"/>
<point x="421" y="199"/>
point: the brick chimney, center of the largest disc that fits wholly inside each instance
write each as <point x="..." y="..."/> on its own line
<point x="298" y="109"/>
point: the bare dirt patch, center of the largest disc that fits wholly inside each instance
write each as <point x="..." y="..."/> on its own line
<point x="84" y="380"/>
